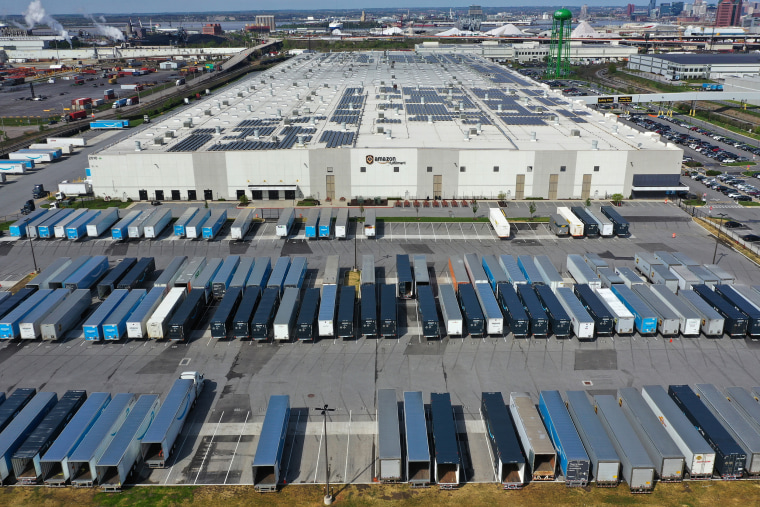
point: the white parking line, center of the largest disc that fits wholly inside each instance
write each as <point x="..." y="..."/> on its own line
<point x="448" y="231"/>
<point x="348" y="442"/>
<point x="207" y="448"/>
<point x="319" y="452"/>
<point x="236" y="446"/>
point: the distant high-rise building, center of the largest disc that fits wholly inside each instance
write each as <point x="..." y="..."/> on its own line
<point x="630" y="8"/>
<point x="676" y="8"/>
<point x="363" y="18"/>
<point x="652" y="6"/>
<point x="584" y="12"/>
<point x="267" y="20"/>
<point x="729" y="13"/>
<point x="475" y="12"/>
<point x="212" y="29"/>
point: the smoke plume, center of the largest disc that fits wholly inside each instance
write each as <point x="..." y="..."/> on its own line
<point x="35" y="15"/>
<point x="111" y="32"/>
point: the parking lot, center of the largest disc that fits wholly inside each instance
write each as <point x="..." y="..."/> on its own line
<point x="219" y="441"/>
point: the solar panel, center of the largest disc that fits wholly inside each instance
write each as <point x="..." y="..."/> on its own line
<point x="191" y="143"/>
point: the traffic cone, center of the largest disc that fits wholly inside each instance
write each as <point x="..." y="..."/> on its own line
<point x="671" y="340"/>
<point x="674" y="235"/>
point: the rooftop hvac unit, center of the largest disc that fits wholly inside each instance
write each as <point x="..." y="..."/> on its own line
<point x="286" y="121"/>
<point x="382" y="83"/>
<point x="240" y="94"/>
<point x="307" y="110"/>
<point x="294" y="112"/>
<point x="250" y="109"/>
<point x="263" y="81"/>
<point x="314" y="92"/>
<point x="256" y="134"/>
<point x="594" y="144"/>
<point x="188" y="123"/>
<point x="169" y="134"/>
<point x="381" y="115"/>
<point x="282" y="70"/>
<point x="300" y="140"/>
<point x="326" y="85"/>
<point x="138" y="147"/>
<point x="308" y="98"/>
<point x="207" y="112"/>
<point x="575" y="133"/>
<point x="380" y="130"/>
<point x="473" y="131"/>
<point x="225" y="102"/>
<point x="388" y="134"/>
<point x="381" y="107"/>
<point x="295" y="83"/>
<point x="158" y="140"/>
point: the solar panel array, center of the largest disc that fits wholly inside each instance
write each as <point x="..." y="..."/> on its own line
<point x="335" y="139"/>
<point x="388" y="120"/>
<point x="192" y="142"/>
<point x="349" y="107"/>
<point x="203" y="131"/>
<point x="248" y="132"/>
<point x="258" y="122"/>
<point x="289" y="137"/>
<point x="306" y="119"/>
<point x="521" y="120"/>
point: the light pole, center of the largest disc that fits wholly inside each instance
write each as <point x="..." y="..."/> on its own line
<point x="717" y="237"/>
<point x="328" y="497"/>
<point x="31" y="245"/>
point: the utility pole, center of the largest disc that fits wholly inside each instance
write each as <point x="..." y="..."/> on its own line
<point x="328" y="497"/>
<point x="717" y="237"/>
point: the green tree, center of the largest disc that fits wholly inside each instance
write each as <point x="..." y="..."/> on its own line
<point x="532" y="209"/>
<point x="588" y="202"/>
<point x="474" y="209"/>
<point x="244" y="200"/>
<point x="612" y="68"/>
<point x="617" y="199"/>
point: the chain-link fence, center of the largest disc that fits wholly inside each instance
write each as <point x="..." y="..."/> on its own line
<point x="717" y="218"/>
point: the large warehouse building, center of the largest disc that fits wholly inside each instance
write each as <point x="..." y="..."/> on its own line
<point x="396" y="124"/>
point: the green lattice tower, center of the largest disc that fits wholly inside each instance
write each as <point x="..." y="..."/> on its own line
<point x="559" y="50"/>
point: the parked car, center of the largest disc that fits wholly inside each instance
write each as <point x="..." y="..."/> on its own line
<point x="751" y="238"/>
<point x="731" y="224"/>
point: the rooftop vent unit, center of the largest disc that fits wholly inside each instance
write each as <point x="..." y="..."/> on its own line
<point x="380" y="129"/>
<point x="286" y="121"/>
<point x="533" y="137"/>
<point x="344" y="127"/>
<point x="300" y="140"/>
<point x="473" y="132"/>
<point x="279" y="113"/>
<point x="218" y="130"/>
<point x="256" y="134"/>
<point x="138" y="147"/>
<point x="388" y="134"/>
<point x="294" y="112"/>
<point x="225" y="102"/>
<point x="250" y="108"/>
<point x="207" y="112"/>
<point x="575" y="133"/>
<point x="240" y="94"/>
<point x="430" y="118"/>
<point x="169" y="134"/>
<point x="295" y="83"/>
<point x="158" y="140"/>
<point x="326" y="85"/>
<point x="188" y="123"/>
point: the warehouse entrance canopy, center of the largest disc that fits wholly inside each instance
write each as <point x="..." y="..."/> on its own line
<point x="658" y="183"/>
<point x="264" y="188"/>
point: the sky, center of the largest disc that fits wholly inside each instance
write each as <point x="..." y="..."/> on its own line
<point x="11" y="7"/>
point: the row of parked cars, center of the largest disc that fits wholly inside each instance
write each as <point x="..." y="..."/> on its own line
<point x="723" y="183"/>
<point x="697" y="144"/>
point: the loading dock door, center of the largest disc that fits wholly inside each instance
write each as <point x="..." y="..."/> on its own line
<point x="520" y="187"/>
<point x="290" y="194"/>
<point x="208" y="195"/>
<point x="239" y="194"/>
<point x="159" y="195"/>
<point x="330" y="187"/>
<point x="175" y="195"/>
<point x="143" y="195"/>
<point x="586" y="189"/>
<point x="257" y="195"/>
<point x="437" y="186"/>
<point x="553" y="183"/>
<point x="192" y="195"/>
<point x="273" y="195"/>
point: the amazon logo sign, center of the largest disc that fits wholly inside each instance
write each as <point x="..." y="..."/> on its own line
<point x="373" y="159"/>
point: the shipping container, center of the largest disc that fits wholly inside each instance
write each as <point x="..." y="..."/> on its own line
<point x="515" y="316"/>
<point x="528" y="267"/>
<point x="735" y="321"/>
<point x="111" y="280"/>
<point x="405" y="280"/>
<point x="606" y="227"/>
<point x="157" y="222"/>
<point x="734" y="422"/>
<point x="89" y="274"/>
<point x="38" y="156"/>
<point x="157" y="325"/>
<point x="388" y="311"/>
<point x="296" y="273"/>
<point x="82" y="463"/>
<point x="712" y="321"/>
<point x="690" y="320"/>
<point x="499" y="222"/>
<point x="341" y="224"/>
<point x="667" y="258"/>
<point x="746" y="404"/>
<point x="120" y="230"/>
<point x="18" y="228"/>
<point x="243" y="271"/>
<point x="136" y="228"/>
<point x="139" y="274"/>
<point x="311" y="226"/>
<point x="204" y="281"/>
<point x="93" y="326"/>
<point x="182" y="221"/>
<point x="54" y="464"/>
<point x="730" y="458"/>
<point x="750" y="295"/>
<point x="668" y="321"/>
<point x="667" y="458"/>
<point x="539" y="322"/>
<point x="624" y="321"/>
<point x="123" y="454"/>
<point x="452" y="315"/>
<point x="32" y="228"/>
<point x="370" y="224"/>
<point x="548" y="272"/>
<point x="285" y="222"/>
<point x="9" y="323"/>
<point x="368" y="269"/>
<point x="590" y="226"/>
<point x="724" y="277"/>
<point x="684" y="259"/>
<point x="19" y="429"/>
<point x="581" y="321"/>
<point x="420" y="271"/>
<point x="306" y="323"/>
<point x="194" y="226"/>
<point x="629" y="276"/>
<point x="327" y="310"/>
<point x="223" y="277"/>
<point x="47" y="229"/>
<point x="595" y="261"/>
<point x="740" y="303"/>
<point x="388" y="437"/>
<point x="662" y="275"/>
<point x="263" y="317"/>
<point x="41" y="280"/>
<point x="539" y="451"/>
<point x="279" y="273"/>
<point x="160" y="440"/>
<point x="604" y="320"/>
<point x="699" y="457"/>
<point x="115" y="326"/>
<point x="325" y="223"/>
<point x="508" y="459"/>
<point x="644" y="263"/>
<point x="190" y="272"/>
<point x="576" y="227"/>
<point x="573" y="459"/>
<point x="619" y="224"/>
<point x="428" y="313"/>
<point x="241" y="322"/>
<point x="138" y="319"/>
<point x="346" y="306"/>
<point x="214" y="224"/>
<point x="268" y="458"/>
<point x="446" y="460"/>
<point x="26" y="459"/>
<point x="643" y="316"/>
<point x="181" y="325"/>
<point x="457" y="272"/>
<point x="68" y="314"/>
<point x="559" y="321"/>
<point x="78" y="229"/>
<point x="30" y="325"/>
<point x="103" y="223"/>
<point x="242" y="224"/>
<point x="369" y="310"/>
<point x="260" y="273"/>
<point x="474" y="269"/>
<point x="609" y="277"/>
<point x="494" y="318"/>
<point x="222" y="321"/>
<point x="14" y="166"/>
<point x="581" y="272"/>
<point x="418" y="462"/>
<point x="636" y="466"/>
<point x="15" y="402"/>
<point x="558" y="225"/>
<point x="331" y="275"/>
